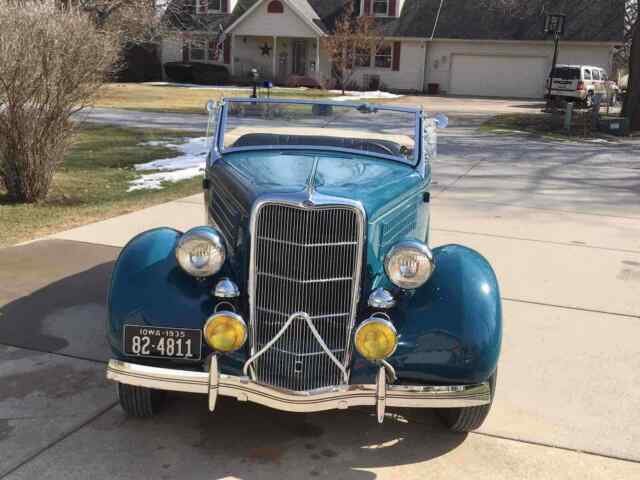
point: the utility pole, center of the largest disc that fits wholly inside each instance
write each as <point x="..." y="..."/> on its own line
<point x="554" y="24"/>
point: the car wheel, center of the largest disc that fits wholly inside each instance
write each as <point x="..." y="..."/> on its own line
<point x="468" y="418"/>
<point x="139" y="402"/>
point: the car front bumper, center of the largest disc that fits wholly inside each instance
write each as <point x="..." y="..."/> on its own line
<point x="379" y="395"/>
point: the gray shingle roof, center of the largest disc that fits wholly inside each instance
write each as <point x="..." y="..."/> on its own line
<point x="587" y="20"/>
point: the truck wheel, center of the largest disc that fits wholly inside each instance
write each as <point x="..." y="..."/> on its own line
<point x="468" y="418"/>
<point x="588" y="102"/>
<point x="139" y="402"/>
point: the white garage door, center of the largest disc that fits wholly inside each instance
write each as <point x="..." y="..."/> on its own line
<point x="498" y="76"/>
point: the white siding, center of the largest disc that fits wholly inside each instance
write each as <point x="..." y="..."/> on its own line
<point x="261" y="23"/>
<point x="440" y="53"/>
<point x="247" y="54"/>
<point x="171" y="51"/>
<point x="409" y="78"/>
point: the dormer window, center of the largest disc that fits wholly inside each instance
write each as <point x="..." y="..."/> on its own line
<point x="206" y="6"/>
<point x="214" y="5"/>
<point x="275" y="7"/>
<point x="381" y="8"/>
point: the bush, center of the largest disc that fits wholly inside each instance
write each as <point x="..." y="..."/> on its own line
<point x="196" y="72"/>
<point x="140" y="64"/>
<point x="52" y="63"/>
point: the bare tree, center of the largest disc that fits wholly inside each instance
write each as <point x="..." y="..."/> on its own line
<point x="52" y="64"/>
<point x="146" y="21"/>
<point x="631" y="107"/>
<point x="351" y="43"/>
<point x="631" y="9"/>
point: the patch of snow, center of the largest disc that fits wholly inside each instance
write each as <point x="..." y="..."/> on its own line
<point x="349" y="95"/>
<point x="189" y="164"/>
<point x="598" y="140"/>
<point x="503" y="130"/>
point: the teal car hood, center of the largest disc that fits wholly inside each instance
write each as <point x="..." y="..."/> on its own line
<point x="377" y="184"/>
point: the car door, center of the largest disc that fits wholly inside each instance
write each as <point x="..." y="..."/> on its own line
<point x="587" y="77"/>
<point x="598" y="86"/>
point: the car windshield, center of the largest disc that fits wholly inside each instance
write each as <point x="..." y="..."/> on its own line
<point x="566" y="73"/>
<point x="377" y="130"/>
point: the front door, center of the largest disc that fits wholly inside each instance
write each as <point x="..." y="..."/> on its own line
<point x="299" y="66"/>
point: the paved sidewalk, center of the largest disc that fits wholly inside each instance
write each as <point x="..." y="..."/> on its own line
<point x="561" y="225"/>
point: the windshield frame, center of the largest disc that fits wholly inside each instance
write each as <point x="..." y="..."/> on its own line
<point x="413" y="162"/>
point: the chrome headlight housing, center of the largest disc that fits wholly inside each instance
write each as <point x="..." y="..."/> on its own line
<point x="201" y="252"/>
<point x="409" y="264"/>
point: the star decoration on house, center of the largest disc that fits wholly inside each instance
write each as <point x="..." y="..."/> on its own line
<point x="266" y="50"/>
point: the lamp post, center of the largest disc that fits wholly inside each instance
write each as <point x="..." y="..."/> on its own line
<point x="554" y="25"/>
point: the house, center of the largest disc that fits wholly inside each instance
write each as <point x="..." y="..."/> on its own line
<point x="466" y="47"/>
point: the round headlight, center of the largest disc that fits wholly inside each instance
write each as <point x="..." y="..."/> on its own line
<point x="200" y="252"/>
<point x="225" y="332"/>
<point x="376" y="338"/>
<point x="409" y="264"/>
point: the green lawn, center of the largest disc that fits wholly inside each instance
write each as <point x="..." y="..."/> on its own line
<point x="173" y="99"/>
<point x="543" y="124"/>
<point x="92" y="184"/>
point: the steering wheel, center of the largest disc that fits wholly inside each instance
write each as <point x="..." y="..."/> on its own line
<point x="384" y="148"/>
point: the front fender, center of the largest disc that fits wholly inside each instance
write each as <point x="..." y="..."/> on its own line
<point x="450" y="329"/>
<point x="148" y="287"/>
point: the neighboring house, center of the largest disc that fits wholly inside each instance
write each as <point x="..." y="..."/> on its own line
<point x="476" y="47"/>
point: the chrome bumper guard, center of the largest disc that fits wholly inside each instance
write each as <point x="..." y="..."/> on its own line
<point x="380" y="395"/>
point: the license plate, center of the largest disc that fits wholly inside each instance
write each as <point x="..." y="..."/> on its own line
<point x="154" y="342"/>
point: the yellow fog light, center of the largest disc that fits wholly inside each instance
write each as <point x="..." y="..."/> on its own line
<point x="376" y="338"/>
<point x="225" y="332"/>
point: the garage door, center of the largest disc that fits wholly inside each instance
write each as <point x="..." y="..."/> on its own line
<point x="498" y="76"/>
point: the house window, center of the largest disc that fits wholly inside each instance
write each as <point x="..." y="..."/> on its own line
<point x="190" y="6"/>
<point x="197" y="49"/>
<point x="384" y="57"/>
<point x="381" y="8"/>
<point x="275" y="7"/>
<point x="214" y="5"/>
<point x="363" y="57"/>
<point x="203" y="49"/>
<point x="205" y="6"/>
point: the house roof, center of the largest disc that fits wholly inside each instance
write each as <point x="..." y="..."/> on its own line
<point x="587" y="20"/>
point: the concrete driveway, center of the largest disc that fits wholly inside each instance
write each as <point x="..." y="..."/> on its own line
<point x="559" y="221"/>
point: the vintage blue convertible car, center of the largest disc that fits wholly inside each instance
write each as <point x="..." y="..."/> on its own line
<point x="312" y="286"/>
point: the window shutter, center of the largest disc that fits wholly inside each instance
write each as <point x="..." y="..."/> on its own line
<point x="224" y="6"/>
<point x="397" y="48"/>
<point x="227" y="51"/>
<point x="185" y="51"/>
<point x="367" y="7"/>
<point x="393" y="8"/>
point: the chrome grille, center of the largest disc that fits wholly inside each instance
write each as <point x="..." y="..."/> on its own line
<point x="305" y="260"/>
